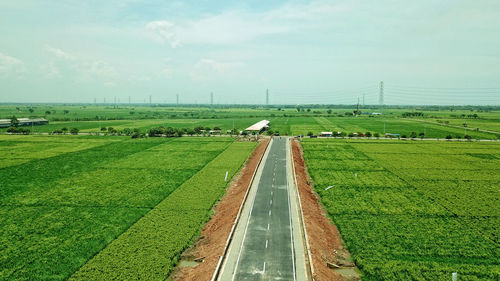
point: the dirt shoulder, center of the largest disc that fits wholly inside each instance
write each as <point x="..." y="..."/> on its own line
<point x="325" y="242"/>
<point x="210" y="246"/>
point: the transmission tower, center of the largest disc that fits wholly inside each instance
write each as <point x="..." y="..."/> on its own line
<point x="177" y="96"/>
<point x="381" y="93"/>
<point x="129" y="100"/>
<point x="267" y="96"/>
<point x="150" y="100"/>
<point x="211" y="99"/>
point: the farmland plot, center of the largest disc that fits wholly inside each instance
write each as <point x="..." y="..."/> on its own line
<point x="59" y="209"/>
<point x="412" y="211"/>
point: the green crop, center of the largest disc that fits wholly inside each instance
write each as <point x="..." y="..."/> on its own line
<point x="65" y="198"/>
<point x="412" y="211"/>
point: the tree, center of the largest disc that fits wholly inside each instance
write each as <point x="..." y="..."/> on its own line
<point x="298" y="109"/>
<point x="413" y="135"/>
<point x="66" y="111"/>
<point x="310" y="134"/>
<point x="47" y="112"/>
<point x="329" y="111"/>
<point x="308" y="110"/>
<point x="350" y="135"/>
<point x="31" y="110"/>
<point x="467" y="137"/>
<point x="403" y="136"/>
<point x="368" y="134"/>
<point x="103" y="129"/>
<point x="190" y="132"/>
<point x="14" y="122"/>
<point x="377" y="135"/>
<point x="74" y="131"/>
<point x="448" y="137"/>
<point x="64" y="130"/>
<point x="421" y="135"/>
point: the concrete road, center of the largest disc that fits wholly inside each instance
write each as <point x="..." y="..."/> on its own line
<point x="270" y="244"/>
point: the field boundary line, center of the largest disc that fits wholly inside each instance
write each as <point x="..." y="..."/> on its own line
<point x="236" y="220"/>
<point x="145" y="214"/>
<point x="310" y="266"/>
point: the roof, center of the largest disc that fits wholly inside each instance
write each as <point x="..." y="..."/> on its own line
<point x="258" y="126"/>
<point x="24" y="120"/>
<point x="326" y="133"/>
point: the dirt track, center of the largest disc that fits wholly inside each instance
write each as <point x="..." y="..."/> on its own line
<point x="214" y="235"/>
<point x="325" y="241"/>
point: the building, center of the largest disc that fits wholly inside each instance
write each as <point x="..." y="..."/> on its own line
<point x="326" y="134"/>
<point x="259" y="126"/>
<point x="5" y="123"/>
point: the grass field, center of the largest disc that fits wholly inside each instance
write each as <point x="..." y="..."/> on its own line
<point x="435" y="123"/>
<point x="412" y="211"/>
<point x="65" y="198"/>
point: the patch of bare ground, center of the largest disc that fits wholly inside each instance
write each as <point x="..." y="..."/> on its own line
<point x="199" y="262"/>
<point x="330" y="260"/>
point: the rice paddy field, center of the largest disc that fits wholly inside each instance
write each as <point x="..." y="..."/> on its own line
<point x="412" y="210"/>
<point x="100" y="208"/>
<point x="286" y="120"/>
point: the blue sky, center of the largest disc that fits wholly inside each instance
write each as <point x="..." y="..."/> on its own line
<point x="426" y="52"/>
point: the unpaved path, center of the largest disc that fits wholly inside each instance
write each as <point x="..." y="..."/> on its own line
<point x="325" y="242"/>
<point x="210" y="246"/>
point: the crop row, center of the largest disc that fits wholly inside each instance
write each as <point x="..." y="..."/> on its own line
<point x="58" y="212"/>
<point x="151" y="247"/>
<point x="418" y="216"/>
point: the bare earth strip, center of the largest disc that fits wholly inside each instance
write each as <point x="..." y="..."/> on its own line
<point x="211" y="244"/>
<point x="325" y="241"/>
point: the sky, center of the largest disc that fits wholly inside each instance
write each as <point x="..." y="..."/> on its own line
<point x="425" y="52"/>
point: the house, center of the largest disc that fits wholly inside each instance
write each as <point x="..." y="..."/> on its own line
<point x="326" y="134"/>
<point x="5" y="123"/>
<point x="259" y="126"/>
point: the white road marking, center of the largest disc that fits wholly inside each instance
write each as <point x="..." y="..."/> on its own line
<point x="244" y="234"/>
<point x="267" y="226"/>
<point x="272" y="193"/>
<point x="264" y="270"/>
<point x="269" y="212"/>
<point x="291" y="232"/>
<point x="266" y="244"/>
<point x="271" y="202"/>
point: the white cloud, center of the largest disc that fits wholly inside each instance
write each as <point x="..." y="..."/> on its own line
<point x="58" y="53"/>
<point x="85" y="69"/>
<point x="237" y="26"/>
<point x="163" y="31"/>
<point x="11" y="66"/>
<point x="50" y="71"/>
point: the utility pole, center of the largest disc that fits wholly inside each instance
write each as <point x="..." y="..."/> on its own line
<point x="381" y="93"/>
<point x="104" y="100"/>
<point x="177" y="99"/>
<point x="211" y="99"/>
<point x="115" y="101"/>
<point x="129" y="100"/>
<point x="267" y="96"/>
<point x="357" y="108"/>
<point x="150" y="102"/>
<point x="363" y="100"/>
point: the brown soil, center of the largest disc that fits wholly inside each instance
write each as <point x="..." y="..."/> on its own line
<point x="211" y="244"/>
<point x="325" y="242"/>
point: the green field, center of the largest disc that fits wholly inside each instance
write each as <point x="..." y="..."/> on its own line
<point x="287" y="120"/>
<point x="412" y="211"/>
<point x="65" y="198"/>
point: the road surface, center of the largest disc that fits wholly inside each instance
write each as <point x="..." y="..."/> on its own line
<point x="270" y="245"/>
